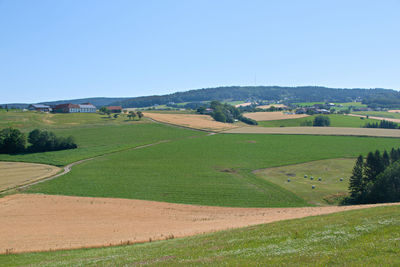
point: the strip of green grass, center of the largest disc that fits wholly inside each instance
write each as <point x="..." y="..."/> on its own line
<point x="98" y="140"/>
<point x="209" y="170"/>
<point x="336" y="121"/>
<point x="382" y="114"/>
<point x="369" y="237"/>
<point x="327" y="191"/>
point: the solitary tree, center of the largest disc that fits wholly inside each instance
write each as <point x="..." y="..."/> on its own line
<point x="139" y="114"/>
<point x="321" y="121"/>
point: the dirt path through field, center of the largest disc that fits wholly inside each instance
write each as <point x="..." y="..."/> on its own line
<point x="375" y="118"/>
<point x="317" y="131"/>
<point x="32" y="222"/>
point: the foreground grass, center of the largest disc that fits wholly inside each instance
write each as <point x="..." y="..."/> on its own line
<point x="209" y="170"/>
<point x="337" y="120"/>
<point x="101" y="139"/>
<point x="369" y="237"/>
<point x="327" y="191"/>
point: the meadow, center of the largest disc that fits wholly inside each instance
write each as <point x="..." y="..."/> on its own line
<point x="102" y="139"/>
<point x="208" y="170"/>
<point x="337" y="120"/>
<point x="383" y="114"/>
<point x="353" y="238"/>
<point x="299" y="179"/>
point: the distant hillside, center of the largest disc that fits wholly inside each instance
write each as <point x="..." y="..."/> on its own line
<point x="275" y="93"/>
<point x="97" y="101"/>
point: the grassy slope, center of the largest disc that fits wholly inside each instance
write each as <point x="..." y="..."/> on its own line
<point x="100" y="139"/>
<point x="336" y="121"/>
<point x="382" y="114"/>
<point x="369" y="237"/>
<point x="210" y="170"/>
<point x="328" y="189"/>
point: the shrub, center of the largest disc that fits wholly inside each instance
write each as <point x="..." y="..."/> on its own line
<point x="12" y="141"/>
<point x="47" y="141"/>
<point x="321" y="121"/>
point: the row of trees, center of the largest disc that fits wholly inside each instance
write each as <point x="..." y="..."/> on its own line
<point x="14" y="141"/>
<point x="375" y="179"/>
<point x="382" y="124"/>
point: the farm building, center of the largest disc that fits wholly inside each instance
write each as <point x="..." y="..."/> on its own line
<point x="75" y="108"/>
<point x="39" y="107"/>
<point x="115" y="109"/>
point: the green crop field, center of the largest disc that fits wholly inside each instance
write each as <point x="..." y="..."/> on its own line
<point x="327" y="191"/>
<point x="382" y="114"/>
<point x="100" y="139"/>
<point x="337" y="120"/>
<point x="369" y="237"/>
<point x="208" y="170"/>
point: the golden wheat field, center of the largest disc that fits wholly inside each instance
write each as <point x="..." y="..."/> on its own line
<point x="272" y="116"/>
<point x="13" y="174"/>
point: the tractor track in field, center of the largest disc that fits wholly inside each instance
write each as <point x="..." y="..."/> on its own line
<point x="67" y="168"/>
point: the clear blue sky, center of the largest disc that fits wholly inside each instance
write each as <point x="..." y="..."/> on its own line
<point x="52" y="50"/>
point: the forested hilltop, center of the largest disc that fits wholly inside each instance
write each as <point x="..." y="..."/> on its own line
<point x="372" y="97"/>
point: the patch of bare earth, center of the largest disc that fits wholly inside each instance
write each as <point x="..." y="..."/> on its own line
<point x="243" y="105"/>
<point x="202" y="122"/>
<point x="13" y="174"/>
<point x="317" y="131"/>
<point x="42" y="222"/>
<point x="272" y="116"/>
<point x="394" y="111"/>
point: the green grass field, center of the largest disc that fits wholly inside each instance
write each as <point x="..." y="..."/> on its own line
<point x="208" y="170"/>
<point x="337" y="120"/>
<point x="382" y="114"/>
<point x="327" y="191"/>
<point x="100" y="139"/>
<point x="369" y="237"/>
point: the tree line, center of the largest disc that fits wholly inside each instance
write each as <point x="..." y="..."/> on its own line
<point x="14" y="141"/>
<point x="375" y="179"/>
<point x="382" y="124"/>
<point x="378" y="97"/>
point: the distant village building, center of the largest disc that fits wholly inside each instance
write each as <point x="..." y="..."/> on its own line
<point x="115" y="109"/>
<point x="75" y="108"/>
<point x="40" y="107"/>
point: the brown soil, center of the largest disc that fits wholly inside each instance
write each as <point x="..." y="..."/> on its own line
<point x="42" y="222"/>
<point x="272" y="116"/>
<point x="13" y="174"/>
<point x="317" y="131"/>
<point x="394" y="110"/>
<point x="202" y="122"/>
<point x="243" y="104"/>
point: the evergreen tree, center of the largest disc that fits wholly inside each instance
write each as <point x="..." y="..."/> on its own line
<point x="356" y="186"/>
<point x="385" y="159"/>
<point x="394" y="155"/>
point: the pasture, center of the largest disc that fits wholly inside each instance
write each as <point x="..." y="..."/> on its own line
<point x="327" y="191"/>
<point x="271" y="116"/>
<point x="365" y="237"/>
<point x="380" y="114"/>
<point x="101" y="139"/>
<point x="209" y="170"/>
<point x="336" y="120"/>
<point x="13" y="174"/>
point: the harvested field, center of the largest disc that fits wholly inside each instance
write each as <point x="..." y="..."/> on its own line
<point x="201" y="122"/>
<point x="13" y="174"/>
<point x="394" y="111"/>
<point x="376" y="118"/>
<point x="44" y="222"/>
<point x="272" y="105"/>
<point x="243" y="105"/>
<point x="271" y="116"/>
<point x="317" y="131"/>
